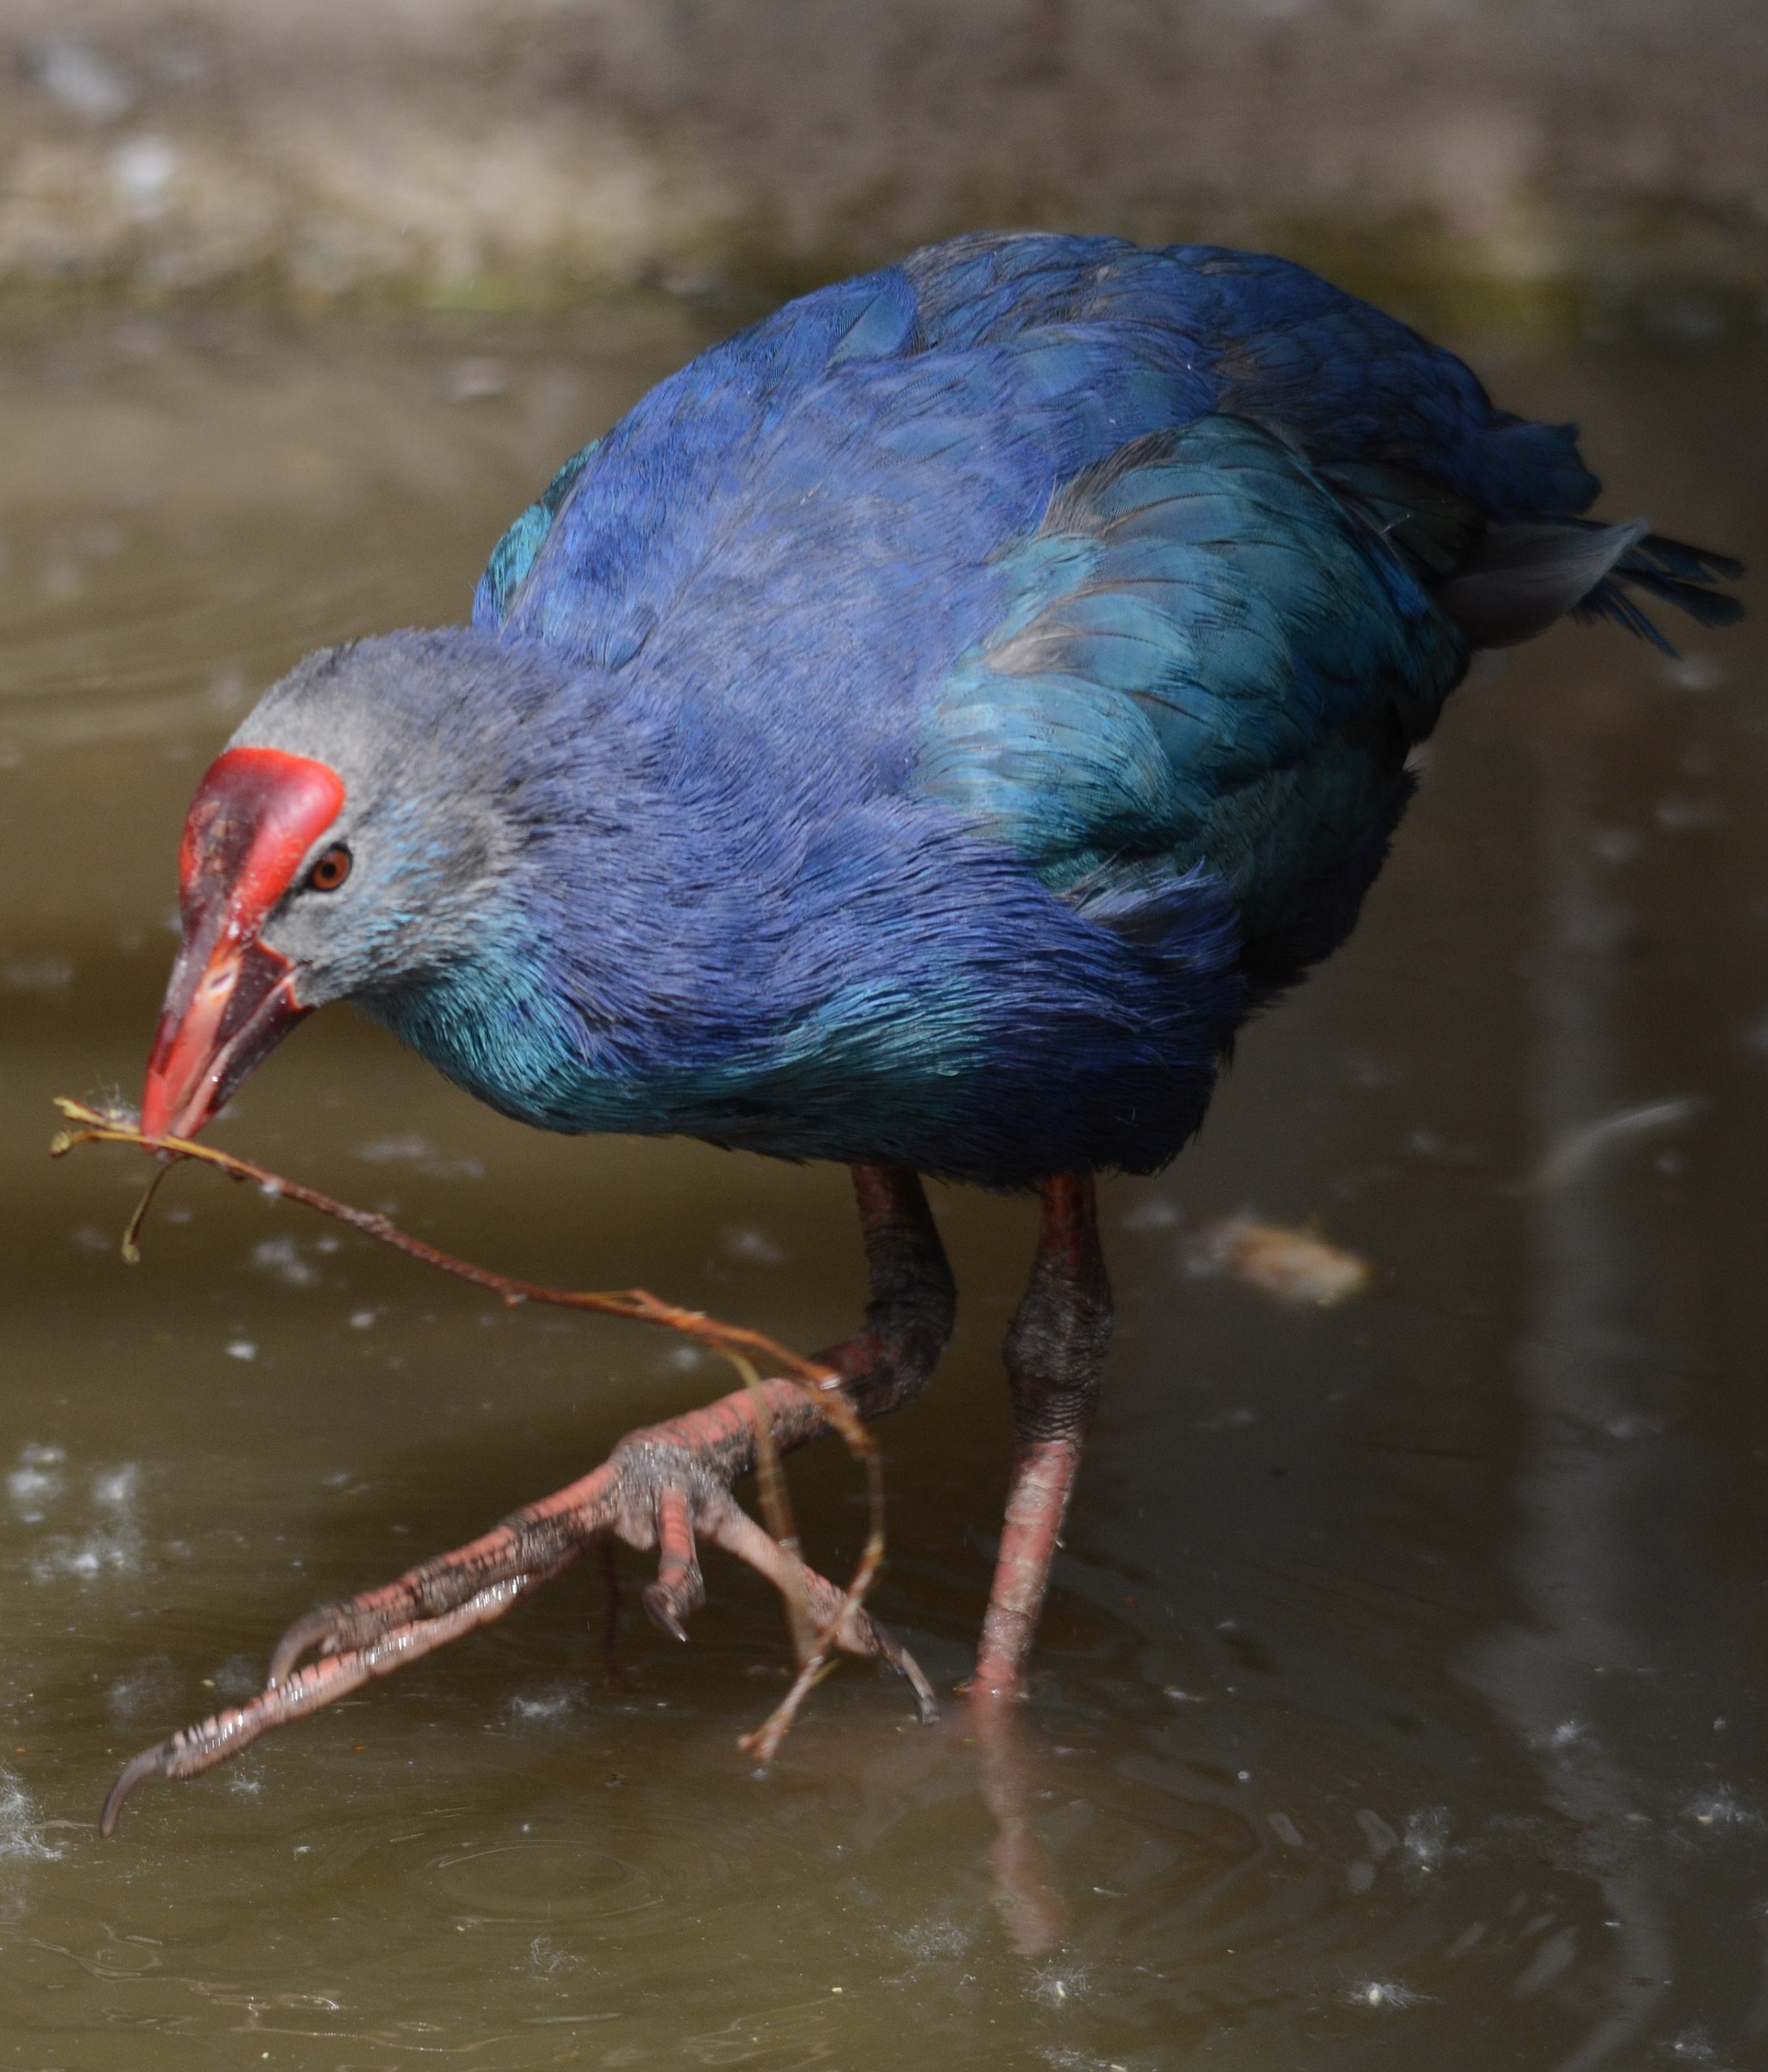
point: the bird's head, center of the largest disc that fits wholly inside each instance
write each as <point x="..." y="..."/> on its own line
<point x="344" y="845"/>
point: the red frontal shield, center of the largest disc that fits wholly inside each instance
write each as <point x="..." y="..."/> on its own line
<point x="256" y="815"/>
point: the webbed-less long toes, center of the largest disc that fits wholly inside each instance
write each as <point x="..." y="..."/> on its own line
<point x="656" y="1487"/>
<point x="194" y="1749"/>
<point x="664" y="1487"/>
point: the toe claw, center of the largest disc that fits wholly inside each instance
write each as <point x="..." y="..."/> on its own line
<point x="151" y="1762"/>
<point x="659" y="1608"/>
<point x="315" y="1629"/>
<point x="680" y="1589"/>
<point x="926" y="1704"/>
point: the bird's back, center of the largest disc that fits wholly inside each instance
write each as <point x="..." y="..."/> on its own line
<point x="822" y="501"/>
<point x="1135" y="566"/>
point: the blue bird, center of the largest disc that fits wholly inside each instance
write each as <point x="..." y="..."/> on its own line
<point x="917" y="734"/>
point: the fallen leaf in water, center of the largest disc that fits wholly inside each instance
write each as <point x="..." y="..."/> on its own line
<point x="1293" y="1266"/>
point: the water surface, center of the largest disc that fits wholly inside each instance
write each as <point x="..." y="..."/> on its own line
<point x="1400" y="1696"/>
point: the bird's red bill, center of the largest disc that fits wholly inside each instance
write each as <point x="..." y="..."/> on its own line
<point x="255" y="815"/>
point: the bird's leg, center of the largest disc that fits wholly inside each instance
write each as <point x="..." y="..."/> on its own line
<point x="691" y="1462"/>
<point x="662" y="1485"/>
<point x="1055" y="1357"/>
<point x="666" y="1485"/>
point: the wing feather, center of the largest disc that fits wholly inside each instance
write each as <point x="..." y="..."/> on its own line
<point x="1212" y="663"/>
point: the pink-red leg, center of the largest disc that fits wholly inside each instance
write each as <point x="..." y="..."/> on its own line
<point x="660" y="1487"/>
<point x="1055" y="1358"/>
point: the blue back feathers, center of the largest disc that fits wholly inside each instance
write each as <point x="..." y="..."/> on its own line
<point x="1064" y="611"/>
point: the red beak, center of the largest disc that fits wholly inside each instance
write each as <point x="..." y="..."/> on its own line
<point x="231" y="1000"/>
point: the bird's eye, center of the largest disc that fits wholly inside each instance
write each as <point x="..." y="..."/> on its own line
<point x="331" y="869"/>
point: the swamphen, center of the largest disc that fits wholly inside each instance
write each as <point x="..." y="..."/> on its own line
<point x="917" y="734"/>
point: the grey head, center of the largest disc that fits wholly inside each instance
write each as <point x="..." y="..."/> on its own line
<point x="418" y="728"/>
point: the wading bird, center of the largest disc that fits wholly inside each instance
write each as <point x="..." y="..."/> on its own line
<point x="917" y="734"/>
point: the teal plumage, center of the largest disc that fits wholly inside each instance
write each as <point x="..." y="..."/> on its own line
<point x="1212" y="663"/>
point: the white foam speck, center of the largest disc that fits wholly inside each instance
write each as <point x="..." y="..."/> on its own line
<point x="927" y="1940"/>
<point x="114" y="1544"/>
<point x="114" y="1489"/>
<point x="1056" y="1988"/>
<point x="280" y="1256"/>
<point x="1427" y="1837"/>
<point x="536" y="1707"/>
<point x="36" y="1485"/>
<point x="1721" y="1807"/>
<point x="238" y="1676"/>
<point x="418" y="1151"/>
<point x="39" y="974"/>
<point x="242" y="1349"/>
<point x="750" y="1247"/>
<point x="152" y="1689"/>
<point x="545" y="1957"/>
<point x="1384" y="1992"/>
<point x="20" y="1836"/>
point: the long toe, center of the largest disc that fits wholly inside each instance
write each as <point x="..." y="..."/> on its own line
<point x="680" y="1589"/>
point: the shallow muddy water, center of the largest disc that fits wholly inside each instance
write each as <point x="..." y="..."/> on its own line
<point x="1400" y="1696"/>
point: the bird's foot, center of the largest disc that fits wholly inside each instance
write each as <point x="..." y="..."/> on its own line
<point x="664" y="1488"/>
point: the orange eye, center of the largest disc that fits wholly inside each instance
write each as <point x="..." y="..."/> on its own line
<point x="331" y="869"/>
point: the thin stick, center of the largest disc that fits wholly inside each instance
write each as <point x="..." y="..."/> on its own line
<point x="131" y="1248"/>
<point x="738" y="1344"/>
<point x="776" y="1509"/>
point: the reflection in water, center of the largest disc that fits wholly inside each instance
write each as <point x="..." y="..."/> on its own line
<point x="1030" y="1912"/>
<point x="1586" y="1370"/>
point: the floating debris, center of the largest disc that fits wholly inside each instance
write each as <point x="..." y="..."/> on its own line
<point x="1721" y="1807"/>
<point x="1577" y="1150"/>
<point x="1298" y="1266"/>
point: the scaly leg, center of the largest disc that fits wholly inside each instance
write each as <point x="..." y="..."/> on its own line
<point x="661" y="1486"/>
<point x="1055" y="1357"/>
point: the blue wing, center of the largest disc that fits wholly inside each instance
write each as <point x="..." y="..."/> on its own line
<point x="957" y="392"/>
<point x="1214" y="662"/>
<point x="1128" y="555"/>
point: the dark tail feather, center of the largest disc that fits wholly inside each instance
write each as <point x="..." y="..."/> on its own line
<point x="1520" y="579"/>
<point x="1670" y="570"/>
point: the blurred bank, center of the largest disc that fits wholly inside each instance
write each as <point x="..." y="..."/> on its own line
<point x="1588" y="162"/>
